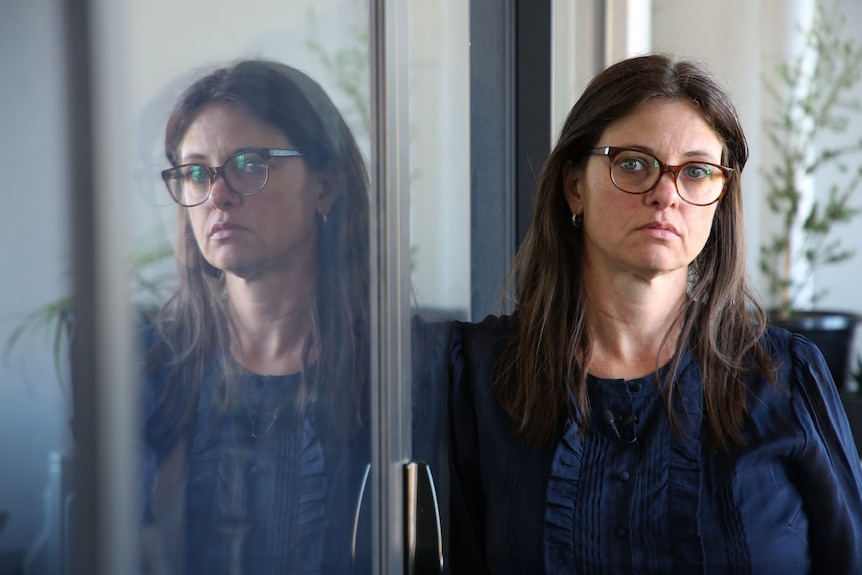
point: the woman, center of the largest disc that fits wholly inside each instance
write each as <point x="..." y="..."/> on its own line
<point x="256" y="368"/>
<point x="636" y="414"/>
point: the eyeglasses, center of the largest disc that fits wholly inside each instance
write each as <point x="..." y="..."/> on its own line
<point x="245" y="173"/>
<point x="637" y="172"/>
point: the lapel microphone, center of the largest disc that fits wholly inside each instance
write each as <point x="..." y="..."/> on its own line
<point x="623" y="429"/>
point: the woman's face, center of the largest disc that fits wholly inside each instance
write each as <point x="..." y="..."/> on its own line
<point x="650" y="234"/>
<point x="272" y="231"/>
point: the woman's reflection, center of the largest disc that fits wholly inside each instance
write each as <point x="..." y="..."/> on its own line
<point x="256" y="370"/>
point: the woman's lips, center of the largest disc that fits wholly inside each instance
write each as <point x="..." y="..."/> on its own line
<point x="660" y="230"/>
<point x="223" y="230"/>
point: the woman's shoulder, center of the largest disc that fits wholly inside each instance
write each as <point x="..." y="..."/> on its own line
<point x="491" y="331"/>
<point x="475" y="349"/>
<point x="801" y="372"/>
<point x="154" y="352"/>
<point x="156" y="359"/>
<point x="148" y="335"/>
<point x="807" y="396"/>
<point x="789" y="348"/>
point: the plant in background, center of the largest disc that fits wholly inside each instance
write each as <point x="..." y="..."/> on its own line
<point x="812" y="94"/>
<point x="53" y="319"/>
<point x="149" y="282"/>
<point x="348" y="69"/>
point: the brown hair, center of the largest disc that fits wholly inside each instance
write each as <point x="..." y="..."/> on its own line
<point x="194" y="324"/>
<point x="721" y="321"/>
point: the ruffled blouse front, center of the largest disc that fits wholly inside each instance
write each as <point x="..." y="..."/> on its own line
<point x="789" y="502"/>
<point x="256" y="483"/>
<point x="629" y="505"/>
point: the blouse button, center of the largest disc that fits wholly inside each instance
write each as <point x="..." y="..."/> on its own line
<point x="623" y="476"/>
<point x="622" y="532"/>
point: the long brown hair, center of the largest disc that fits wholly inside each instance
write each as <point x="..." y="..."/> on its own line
<point x="721" y="320"/>
<point x="194" y="324"/>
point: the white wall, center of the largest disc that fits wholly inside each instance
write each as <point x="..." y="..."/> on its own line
<point x="440" y="153"/>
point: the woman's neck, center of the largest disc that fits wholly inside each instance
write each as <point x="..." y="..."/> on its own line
<point x="272" y="323"/>
<point x="633" y="326"/>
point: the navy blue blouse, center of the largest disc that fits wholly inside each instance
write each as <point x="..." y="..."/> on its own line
<point x="259" y="488"/>
<point x="790" y="502"/>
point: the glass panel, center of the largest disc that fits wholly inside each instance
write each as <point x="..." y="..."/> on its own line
<point x="439" y="215"/>
<point x="439" y="157"/>
<point x="263" y="472"/>
<point x="253" y="397"/>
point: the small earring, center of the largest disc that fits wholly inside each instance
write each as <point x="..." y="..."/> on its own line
<point x="577" y="220"/>
<point x="323" y="219"/>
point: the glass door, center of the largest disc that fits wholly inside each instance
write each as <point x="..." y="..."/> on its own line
<point x="201" y="234"/>
<point x="241" y="235"/>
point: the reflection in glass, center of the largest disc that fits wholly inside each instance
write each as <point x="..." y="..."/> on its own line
<point x="245" y="173"/>
<point x="254" y="393"/>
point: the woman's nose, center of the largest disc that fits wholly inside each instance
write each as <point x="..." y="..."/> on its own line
<point x="665" y="193"/>
<point x="221" y="196"/>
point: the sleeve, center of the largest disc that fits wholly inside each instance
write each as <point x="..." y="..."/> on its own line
<point x="832" y="480"/>
<point x="467" y="500"/>
<point x="156" y="537"/>
<point x="148" y="399"/>
<point x="430" y="379"/>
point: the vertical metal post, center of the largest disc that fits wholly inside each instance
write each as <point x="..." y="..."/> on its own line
<point x="600" y="34"/>
<point x="510" y="134"/>
<point x="492" y="151"/>
<point x="532" y="103"/>
<point x="103" y="519"/>
<point x="84" y="546"/>
<point x="390" y="304"/>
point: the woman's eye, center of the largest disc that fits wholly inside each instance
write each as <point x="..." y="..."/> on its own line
<point x="632" y="164"/>
<point x="698" y="171"/>
<point x="250" y="163"/>
<point x="196" y="174"/>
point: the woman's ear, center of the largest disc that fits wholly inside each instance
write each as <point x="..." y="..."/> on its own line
<point x="572" y="187"/>
<point x="326" y="192"/>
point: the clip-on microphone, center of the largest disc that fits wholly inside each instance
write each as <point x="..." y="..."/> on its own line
<point x="624" y="429"/>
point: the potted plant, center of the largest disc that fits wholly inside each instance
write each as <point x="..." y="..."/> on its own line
<point x="814" y="98"/>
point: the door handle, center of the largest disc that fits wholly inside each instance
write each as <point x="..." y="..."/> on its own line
<point x="359" y="546"/>
<point x="423" y="539"/>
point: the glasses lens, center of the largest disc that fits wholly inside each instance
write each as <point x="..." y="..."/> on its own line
<point x="700" y="183"/>
<point x="188" y="184"/>
<point x="635" y="172"/>
<point x="246" y="173"/>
